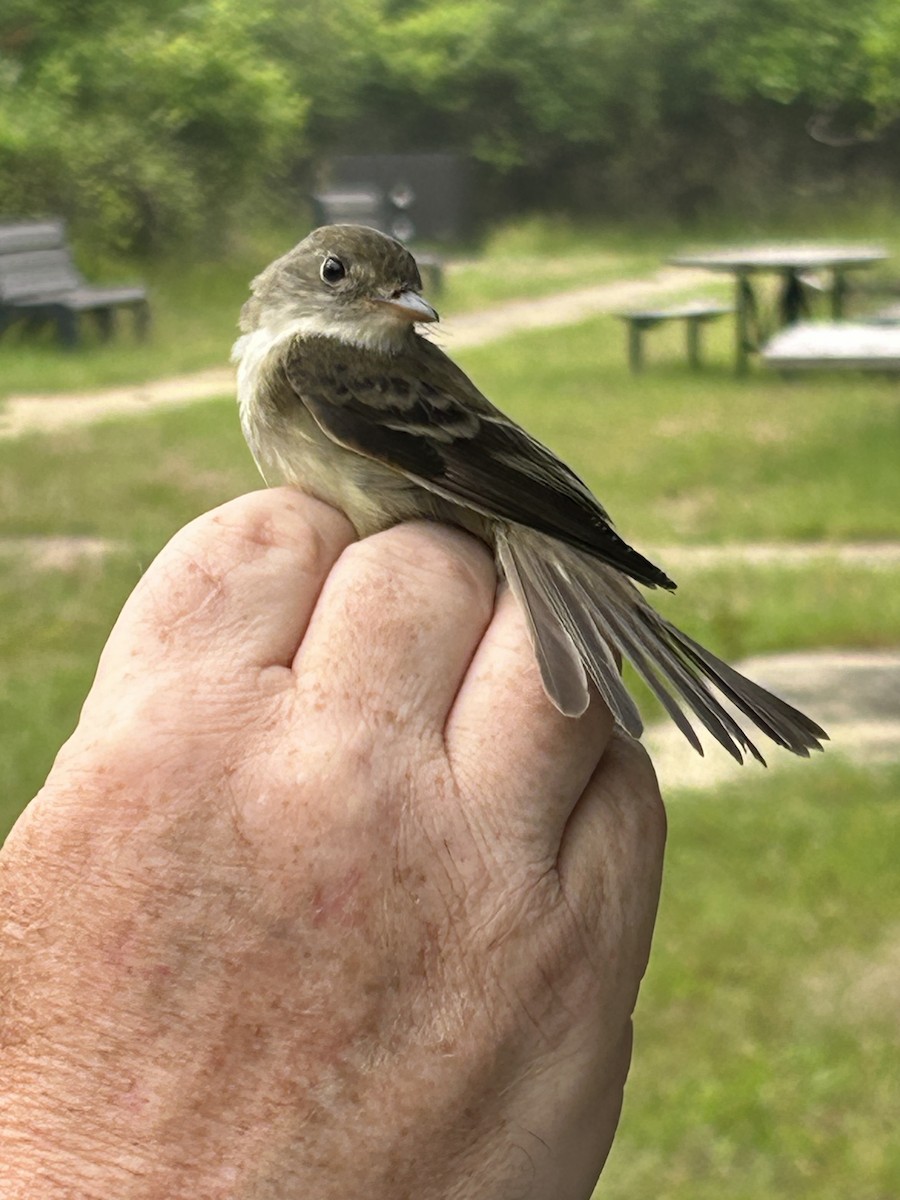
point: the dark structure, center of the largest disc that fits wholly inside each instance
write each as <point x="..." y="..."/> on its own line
<point x="419" y="197"/>
<point x="412" y="197"/>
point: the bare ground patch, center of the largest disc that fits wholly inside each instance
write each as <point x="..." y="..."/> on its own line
<point x="870" y="555"/>
<point x="854" y="695"/>
<point x="856" y="988"/>
<point x="57" y="553"/>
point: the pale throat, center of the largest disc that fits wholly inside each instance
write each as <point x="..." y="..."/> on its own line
<point x="380" y="331"/>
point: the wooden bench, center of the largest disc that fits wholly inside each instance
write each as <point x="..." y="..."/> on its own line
<point x="832" y="345"/>
<point x="694" y="313"/>
<point x="39" y="283"/>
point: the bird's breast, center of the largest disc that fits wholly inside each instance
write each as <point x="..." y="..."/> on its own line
<point x="290" y="447"/>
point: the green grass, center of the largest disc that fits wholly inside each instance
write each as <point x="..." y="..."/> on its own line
<point x="675" y="455"/>
<point x="52" y="627"/>
<point x="744" y="610"/>
<point x="679" y="455"/>
<point x="134" y="479"/>
<point x="541" y="256"/>
<point x="767" y="1050"/>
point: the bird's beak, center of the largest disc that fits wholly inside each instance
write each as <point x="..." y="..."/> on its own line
<point x="410" y="305"/>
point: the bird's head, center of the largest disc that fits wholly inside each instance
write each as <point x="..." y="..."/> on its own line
<point x="344" y="281"/>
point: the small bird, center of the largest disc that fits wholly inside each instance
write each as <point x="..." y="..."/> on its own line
<point x="341" y="396"/>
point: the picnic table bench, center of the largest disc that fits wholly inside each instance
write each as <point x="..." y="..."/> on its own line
<point x="848" y="346"/>
<point x="694" y="313"/>
<point x="40" y="283"/>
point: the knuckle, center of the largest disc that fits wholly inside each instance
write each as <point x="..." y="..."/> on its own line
<point x="638" y="798"/>
<point x="280" y="519"/>
<point x="192" y="571"/>
<point x="649" y="808"/>
<point x="426" y="553"/>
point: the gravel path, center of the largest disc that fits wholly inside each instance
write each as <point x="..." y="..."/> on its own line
<point x="869" y="555"/>
<point x="63" y="551"/>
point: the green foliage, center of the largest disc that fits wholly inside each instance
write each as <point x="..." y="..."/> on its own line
<point x="881" y="42"/>
<point x="158" y="123"/>
<point x="776" y="50"/>
<point x="147" y="122"/>
<point x="517" y="76"/>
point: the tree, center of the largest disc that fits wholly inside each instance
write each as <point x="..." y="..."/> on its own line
<point x="145" y="121"/>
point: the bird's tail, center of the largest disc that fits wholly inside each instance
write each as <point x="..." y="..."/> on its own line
<point x="582" y="611"/>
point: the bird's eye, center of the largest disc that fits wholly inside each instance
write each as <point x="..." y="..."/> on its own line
<point x="333" y="270"/>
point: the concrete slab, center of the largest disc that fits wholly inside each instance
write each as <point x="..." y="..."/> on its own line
<point x="854" y="695"/>
<point x="834" y="345"/>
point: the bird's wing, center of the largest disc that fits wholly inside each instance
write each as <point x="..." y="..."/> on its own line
<point x="418" y="413"/>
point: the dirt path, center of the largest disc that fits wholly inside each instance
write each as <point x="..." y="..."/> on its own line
<point x="566" y="308"/>
<point x="45" y="413"/>
<point x="870" y="555"/>
<point x="61" y="551"/>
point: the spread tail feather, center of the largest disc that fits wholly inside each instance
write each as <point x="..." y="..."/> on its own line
<point x="580" y="611"/>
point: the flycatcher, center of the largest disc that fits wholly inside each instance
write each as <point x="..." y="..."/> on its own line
<point x="340" y="395"/>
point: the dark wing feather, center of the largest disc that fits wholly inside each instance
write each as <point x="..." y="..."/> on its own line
<point x="442" y="432"/>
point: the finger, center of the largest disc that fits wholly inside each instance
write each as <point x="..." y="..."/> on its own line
<point x="519" y="755"/>
<point x="398" y="622"/>
<point x="234" y="588"/>
<point x="610" y="860"/>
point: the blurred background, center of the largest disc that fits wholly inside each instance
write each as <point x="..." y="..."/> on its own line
<point x="545" y="157"/>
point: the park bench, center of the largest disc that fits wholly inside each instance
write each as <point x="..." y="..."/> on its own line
<point x="39" y="283"/>
<point x="694" y="313"/>
<point x="831" y="345"/>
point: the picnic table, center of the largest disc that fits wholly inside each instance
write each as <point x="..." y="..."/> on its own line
<point x="797" y="265"/>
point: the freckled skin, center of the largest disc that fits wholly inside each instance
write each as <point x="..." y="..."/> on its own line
<point x="322" y="898"/>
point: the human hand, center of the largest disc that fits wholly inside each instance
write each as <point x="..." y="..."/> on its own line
<point x="323" y="898"/>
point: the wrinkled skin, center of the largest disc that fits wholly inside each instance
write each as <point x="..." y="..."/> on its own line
<point x="323" y="898"/>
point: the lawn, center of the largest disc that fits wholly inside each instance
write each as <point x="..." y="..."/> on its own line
<point x="767" y="1038"/>
<point x="767" y="1043"/>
